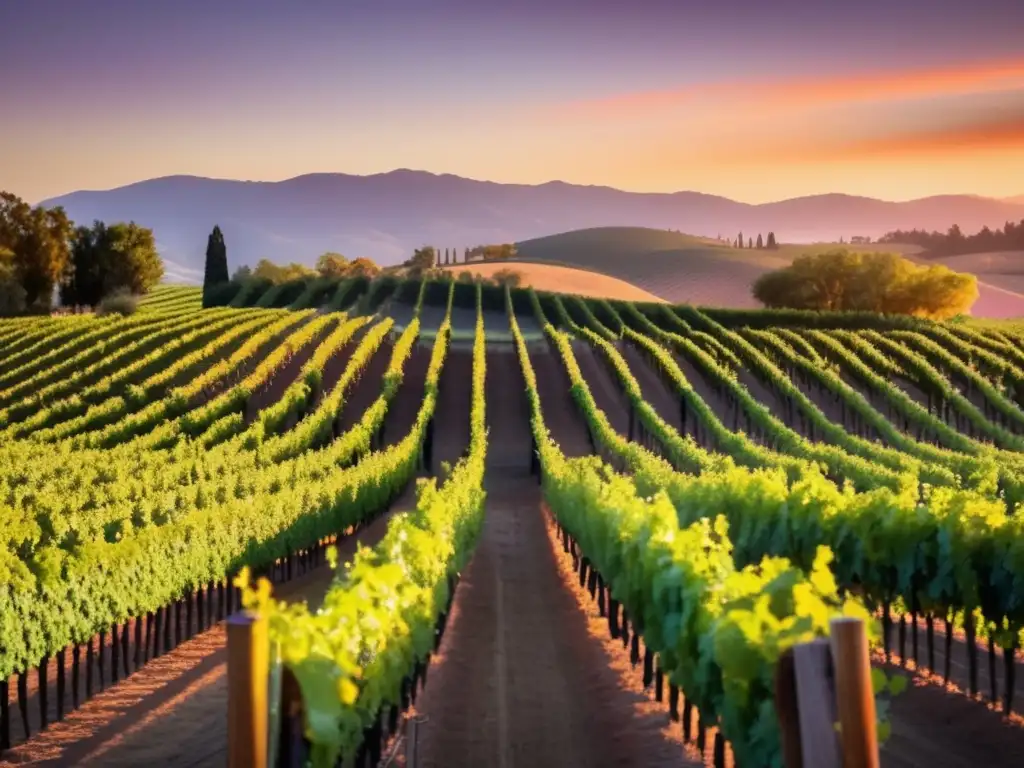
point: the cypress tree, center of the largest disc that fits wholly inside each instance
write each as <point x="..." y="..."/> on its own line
<point x="750" y="242"/>
<point x="739" y="241"/>
<point x="760" y="242"/>
<point x="216" y="272"/>
<point x="771" y="240"/>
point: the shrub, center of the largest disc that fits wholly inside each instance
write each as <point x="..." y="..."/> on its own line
<point x="867" y="282"/>
<point x="120" y="303"/>
<point x="508" y="277"/>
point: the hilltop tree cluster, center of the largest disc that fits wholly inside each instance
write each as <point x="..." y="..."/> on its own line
<point x="492" y="252"/>
<point x="762" y="243"/>
<point x="426" y="258"/>
<point x="954" y="241"/>
<point x="329" y="265"/>
<point x="871" y="282"/>
<point x="41" y="251"/>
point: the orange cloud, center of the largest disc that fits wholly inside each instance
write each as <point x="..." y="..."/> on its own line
<point x="1000" y="132"/>
<point x="952" y="80"/>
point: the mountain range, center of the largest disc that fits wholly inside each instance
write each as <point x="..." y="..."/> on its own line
<point x="384" y="216"/>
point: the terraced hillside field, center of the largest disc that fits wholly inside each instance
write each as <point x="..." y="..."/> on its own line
<point x="685" y="269"/>
<point x="570" y="532"/>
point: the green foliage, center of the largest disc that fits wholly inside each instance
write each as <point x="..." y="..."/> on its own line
<point x="378" y="617"/>
<point x="422" y="259"/>
<point x="121" y="302"/>
<point x="12" y="295"/>
<point x="106" y="259"/>
<point x="873" y="282"/>
<point x="275" y="274"/>
<point x="363" y="268"/>
<point x="718" y="629"/>
<point x="38" y="240"/>
<point x="492" y="252"/>
<point x="216" y="270"/>
<point x="135" y="469"/>
<point x="332" y="265"/>
<point x="507" y="277"/>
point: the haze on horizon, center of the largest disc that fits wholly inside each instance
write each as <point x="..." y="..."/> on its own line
<point x="895" y="99"/>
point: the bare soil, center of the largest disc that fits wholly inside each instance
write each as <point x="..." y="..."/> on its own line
<point x="523" y="677"/>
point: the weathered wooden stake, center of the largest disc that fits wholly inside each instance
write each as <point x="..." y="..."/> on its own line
<point x="855" y="700"/>
<point x="248" y="675"/>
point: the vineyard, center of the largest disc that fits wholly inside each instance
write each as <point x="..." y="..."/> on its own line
<point x="552" y="530"/>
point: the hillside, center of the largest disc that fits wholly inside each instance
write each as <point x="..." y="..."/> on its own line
<point x="385" y="216"/>
<point x="559" y="279"/>
<point x="677" y="267"/>
<point x="686" y="269"/>
<point x="423" y="480"/>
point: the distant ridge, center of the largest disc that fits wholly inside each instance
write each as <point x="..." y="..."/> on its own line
<point x="386" y="215"/>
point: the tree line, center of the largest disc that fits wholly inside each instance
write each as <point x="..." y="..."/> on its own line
<point x="494" y="252"/>
<point x="328" y="265"/>
<point x="429" y="257"/>
<point x="873" y="282"/>
<point x="43" y="253"/>
<point x="768" y="243"/>
<point x="954" y="242"/>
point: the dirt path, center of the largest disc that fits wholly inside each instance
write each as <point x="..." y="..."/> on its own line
<point x="560" y="412"/>
<point x="605" y="390"/>
<point x="652" y="386"/>
<point x="451" y="422"/>
<point x="523" y="679"/>
<point x="932" y="727"/>
<point x="366" y="387"/>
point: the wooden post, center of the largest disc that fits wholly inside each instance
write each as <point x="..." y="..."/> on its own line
<point x="412" y="739"/>
<point x="855" y="698"/>
<point x="816" y="705"/>
<point x="248" y="675"/>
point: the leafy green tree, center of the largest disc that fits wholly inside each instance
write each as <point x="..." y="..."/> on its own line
<point x="242" y="274"/>
<point x="871" y="282"/>
<point x="277" y="274"/>
<point x="267" y="270"/>
<point x="493" y="252"/>
<point x="12" y="295"/>
<point x="332" y="265"/>
<point x="508" y="277"/>
<point x="216" y="272"/>
<point x="363" y="267"/>
<point x="107" y="259"/>
<point x="423" y="259"/>
<point x="40" y="241"/>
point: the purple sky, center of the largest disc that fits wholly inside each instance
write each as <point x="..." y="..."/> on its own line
<point x="99" y="93"/>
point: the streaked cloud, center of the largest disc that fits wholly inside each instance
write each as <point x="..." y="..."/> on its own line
<point x="970" y="133"/>
<point x="812" y="91"/>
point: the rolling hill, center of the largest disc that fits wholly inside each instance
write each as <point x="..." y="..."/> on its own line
<point x="686" y="269"/>
<point x="676" y="267"/>
<point x="385" y="216"/>
<point x="561" y="279"/>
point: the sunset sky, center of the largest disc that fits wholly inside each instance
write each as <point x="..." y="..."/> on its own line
<point x="748" y="99"/>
